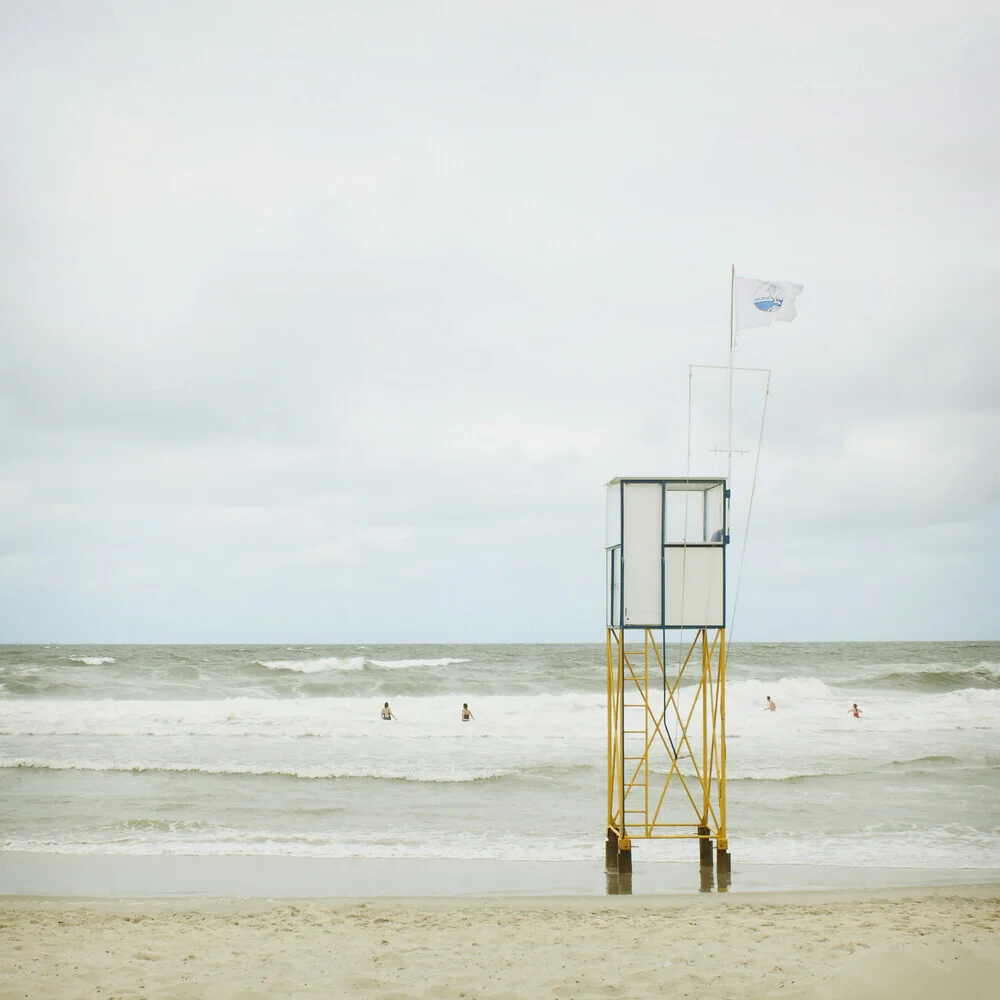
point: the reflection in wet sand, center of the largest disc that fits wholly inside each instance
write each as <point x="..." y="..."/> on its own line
<point x="619" y="884"/>
<point x="707" y="878"/>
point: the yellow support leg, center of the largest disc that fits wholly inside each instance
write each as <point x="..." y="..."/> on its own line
<point x="666" y="777"/>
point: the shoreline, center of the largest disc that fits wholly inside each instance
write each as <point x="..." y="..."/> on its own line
<point x="109" y="876"/>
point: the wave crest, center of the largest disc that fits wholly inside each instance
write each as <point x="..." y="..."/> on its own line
<point x="937" y="679"/>
<point x="444" y="661"/>
<point x="317" y="666"/>
<point x="430" y="775"/>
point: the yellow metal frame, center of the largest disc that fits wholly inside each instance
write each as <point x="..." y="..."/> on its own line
<point x="670" y="763"/>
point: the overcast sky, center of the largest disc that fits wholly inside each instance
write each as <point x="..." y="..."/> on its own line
<point x="328" y="322"/>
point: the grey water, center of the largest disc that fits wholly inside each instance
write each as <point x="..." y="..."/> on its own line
<point x="280" y="751"/>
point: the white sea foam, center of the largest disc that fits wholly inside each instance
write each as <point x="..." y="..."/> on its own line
<point x="383" y="770"/>
<point x="93" y="661"/>
<point x="934" y="848"/>
<point x="805" y="707"/>
<point x="495" y="847"/>
<point x="317" y="666"/>
<point x="344" y="737"/>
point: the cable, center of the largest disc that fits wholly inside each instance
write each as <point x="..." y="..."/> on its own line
<point x="753" y="487"/>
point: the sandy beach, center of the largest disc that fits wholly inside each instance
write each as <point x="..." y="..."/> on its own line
<point x="905" y="942"/>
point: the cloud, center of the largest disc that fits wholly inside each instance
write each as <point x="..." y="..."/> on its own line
<point x="332" y="324"/>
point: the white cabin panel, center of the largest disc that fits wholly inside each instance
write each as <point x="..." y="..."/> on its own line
<point x="694" y="586"/>
<point x="642" y="553"/>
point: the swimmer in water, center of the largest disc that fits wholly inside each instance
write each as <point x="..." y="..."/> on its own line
<point x="466" y="713"/>
<point x="855" y="711"/>
<point x="770" y="706"/>
<point x="387" y="712"/>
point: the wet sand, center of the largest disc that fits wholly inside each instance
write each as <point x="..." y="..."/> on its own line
<point x="126" y="876"/>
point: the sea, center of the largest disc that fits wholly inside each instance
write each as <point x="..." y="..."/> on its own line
<point x="280" y="750"/>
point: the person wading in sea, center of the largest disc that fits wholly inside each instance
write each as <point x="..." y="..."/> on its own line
<point x="387" y="712"/>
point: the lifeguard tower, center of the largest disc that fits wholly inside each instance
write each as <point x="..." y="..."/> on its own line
<point x="666" y="576"/>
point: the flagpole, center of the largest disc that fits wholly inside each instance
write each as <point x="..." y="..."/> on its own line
<point x="729" y="439"/>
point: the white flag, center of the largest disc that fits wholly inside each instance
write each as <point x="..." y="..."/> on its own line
<point x="758" y="303"/>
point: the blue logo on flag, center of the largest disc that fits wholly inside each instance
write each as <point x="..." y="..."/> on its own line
<point x="768" y="298"/>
